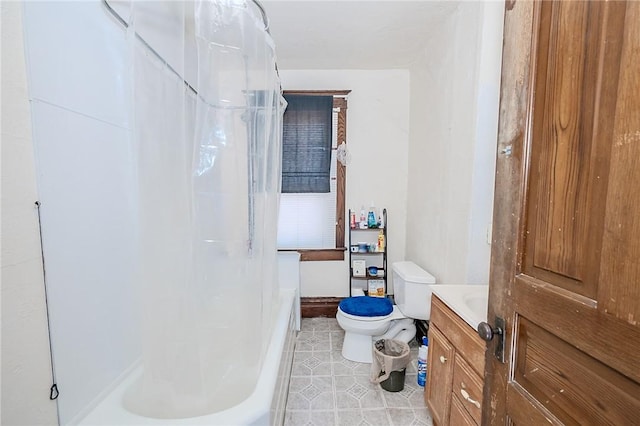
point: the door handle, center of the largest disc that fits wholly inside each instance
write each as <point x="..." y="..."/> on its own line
<point x="487" y="333"/>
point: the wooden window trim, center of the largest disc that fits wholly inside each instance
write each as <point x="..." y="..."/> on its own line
<point x="315" y="255"/>
<point x="340" y="102"/>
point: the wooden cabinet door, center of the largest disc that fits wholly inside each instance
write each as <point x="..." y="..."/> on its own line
<point x="565" y="264"/>
<point x="440" y="376"/>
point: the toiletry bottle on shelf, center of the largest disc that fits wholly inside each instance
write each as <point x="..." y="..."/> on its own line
<point x="372" y="222"/>
<point x="380" y="220"/>
<point x="422" y="362"/>
<point x="381" y="242"/>
<point x="352" y="219"/>
<point x="363" y="218"/>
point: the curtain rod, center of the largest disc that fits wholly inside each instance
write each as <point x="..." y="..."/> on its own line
<point x="115" y="14"/>
<point x="265" y="18"/>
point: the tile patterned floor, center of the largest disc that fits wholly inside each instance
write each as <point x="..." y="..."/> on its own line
<point x="326" y="389"/>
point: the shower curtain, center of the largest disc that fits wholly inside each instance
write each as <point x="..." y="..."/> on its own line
<point x="207" y="114"/>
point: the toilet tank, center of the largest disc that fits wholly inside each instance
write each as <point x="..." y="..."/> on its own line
<point x="412" y="293"/>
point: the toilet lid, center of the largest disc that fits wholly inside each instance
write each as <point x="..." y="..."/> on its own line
<point x="366" y="306"/>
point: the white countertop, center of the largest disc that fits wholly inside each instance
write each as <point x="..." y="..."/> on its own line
<point x="469" y="301"/>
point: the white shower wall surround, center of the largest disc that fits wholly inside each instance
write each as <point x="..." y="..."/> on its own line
<point x="208" y="171"/>
<point x="76" y="67"/>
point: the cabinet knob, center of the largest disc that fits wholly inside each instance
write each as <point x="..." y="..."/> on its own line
<point x="443" y="359"/>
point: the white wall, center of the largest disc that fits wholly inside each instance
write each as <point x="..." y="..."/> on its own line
<point x="433" y="183"/>
<point x="378" y="140"/>
<point x="486" y="138"/>
<point x="77" y="73"/>
<point x="454" y="107"/>
<point x="26" y="368"/>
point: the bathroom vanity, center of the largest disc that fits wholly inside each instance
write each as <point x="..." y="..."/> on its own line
<point x="455" y="366"/>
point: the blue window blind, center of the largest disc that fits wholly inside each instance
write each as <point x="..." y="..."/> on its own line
<point x="306" y="150"/>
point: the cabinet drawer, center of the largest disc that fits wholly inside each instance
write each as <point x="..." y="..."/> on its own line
<point x="459" y="416"/>
<point x="467" y="387"/>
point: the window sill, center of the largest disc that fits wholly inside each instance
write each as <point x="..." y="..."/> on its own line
<point x="320" y="255"/>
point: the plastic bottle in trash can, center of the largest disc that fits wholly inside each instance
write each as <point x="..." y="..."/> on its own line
<point x="422" y="362"/>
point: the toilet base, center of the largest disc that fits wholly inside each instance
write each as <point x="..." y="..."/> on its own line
<point x="357" y="347"/>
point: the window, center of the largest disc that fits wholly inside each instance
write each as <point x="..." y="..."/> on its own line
<point x="312" y="221"/>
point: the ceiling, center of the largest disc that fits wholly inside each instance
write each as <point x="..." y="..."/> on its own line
<point x="352" y="34"/>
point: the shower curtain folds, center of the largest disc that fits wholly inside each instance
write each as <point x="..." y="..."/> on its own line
<point x="208" y="175"/>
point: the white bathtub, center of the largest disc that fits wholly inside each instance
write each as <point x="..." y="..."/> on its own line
<point x="265" y="406"/>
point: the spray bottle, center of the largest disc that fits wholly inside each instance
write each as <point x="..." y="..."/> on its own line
<point x="422" y="361"/>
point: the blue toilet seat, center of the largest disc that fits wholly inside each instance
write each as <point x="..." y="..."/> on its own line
<point x="366" y="306"/>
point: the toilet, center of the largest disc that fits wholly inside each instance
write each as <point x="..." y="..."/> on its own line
<point x="366" y="319"/>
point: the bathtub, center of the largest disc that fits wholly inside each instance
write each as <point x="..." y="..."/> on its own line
<point x="265" y="406"/>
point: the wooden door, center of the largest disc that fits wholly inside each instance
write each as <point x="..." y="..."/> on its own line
<point x="565" y="264"/>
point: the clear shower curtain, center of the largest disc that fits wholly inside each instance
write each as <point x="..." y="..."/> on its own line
<point x="207" y="126"/>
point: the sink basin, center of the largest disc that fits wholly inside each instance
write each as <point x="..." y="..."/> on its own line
<point x="469" y="301"/>
<point x="477" y="303"/>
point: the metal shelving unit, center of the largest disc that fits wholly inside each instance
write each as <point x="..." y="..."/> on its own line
<point x="371" y="258"/>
